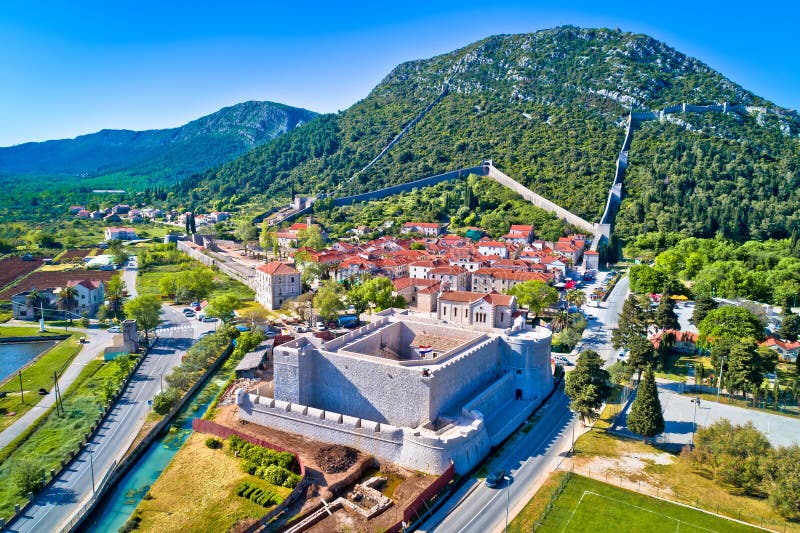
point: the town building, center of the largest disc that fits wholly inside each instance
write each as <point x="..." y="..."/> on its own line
<point x="420" y="393"/>
<point x="430" y="229"/>
<point x="120" y="234"/>
<point x="277" y="282"/>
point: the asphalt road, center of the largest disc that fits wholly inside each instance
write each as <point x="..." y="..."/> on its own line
<point x="55" y="506"/>
<point x="597" y="335"/>
<point x="526" y="459"/>
<point x="97" y="340"/>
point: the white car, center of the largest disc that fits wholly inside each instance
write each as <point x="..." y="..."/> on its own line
<point x="115" y="329"/>
<point x="320" y="326"/>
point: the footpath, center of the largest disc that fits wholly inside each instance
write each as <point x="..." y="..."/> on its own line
<point x="97" y="339"/>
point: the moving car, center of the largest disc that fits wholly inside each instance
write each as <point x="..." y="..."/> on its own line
<point x="495" y="479"/>
<point x="189" y="313"/>
<point x="115" y="329"/>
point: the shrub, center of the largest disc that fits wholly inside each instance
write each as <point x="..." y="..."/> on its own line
<point x="163" y="401"/>
<point x="241" y="488"/>
<point x="213" y="443"/>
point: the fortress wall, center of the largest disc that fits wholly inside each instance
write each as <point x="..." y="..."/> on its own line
<point x="537" y="200"/>
<point x="405" y="187"/>
<point x="381" y="440"/>
<point x="493" y="397"/>
<point x="459" y="379"/>
<point x="361" y="388"/>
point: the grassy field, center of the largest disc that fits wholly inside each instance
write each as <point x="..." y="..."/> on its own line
<point x="197" y="492"/>
<point x="49" y="441"/>
<point x="39" y="374"/>
<point x="148" y="281"/>
<point x="676" y="479"/>
<point x="530" y="515"/>
<point x="589" y="505"/>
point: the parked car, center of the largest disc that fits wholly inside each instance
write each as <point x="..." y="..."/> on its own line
<point x="115" y="329"/>
<point x="205" y="334"/>
<point x="495" y="479"/>
<point x="320" y="326"/>
<point x="210" y="319"/>
<point x="563" y="360"/>
<point x="189" y="314"/>
<point x="187" y="310"/>
<point x="242" y="328"/>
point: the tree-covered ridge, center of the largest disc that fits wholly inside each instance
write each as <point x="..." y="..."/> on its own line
<point x="167" y="154"/>
<point x="547" y="108"/>
<point x="728" y="175"/>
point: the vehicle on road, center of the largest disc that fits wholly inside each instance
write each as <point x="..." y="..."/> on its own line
<point x="563" y="360"/>
<point x="320" y="326"/>
<point x="302" y="329"/>
<point x="115" y="329"/>
<point x="205" y="334"/>
<point x="189" y="314"/>
<point x="495" y="479"/>
<point x="210" y="319"/>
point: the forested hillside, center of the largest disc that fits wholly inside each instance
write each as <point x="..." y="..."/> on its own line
<point x="547" y="107"/>
<point x="32" y="173"/>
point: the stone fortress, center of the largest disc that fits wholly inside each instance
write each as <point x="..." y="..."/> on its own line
<point x="414" y="391"/>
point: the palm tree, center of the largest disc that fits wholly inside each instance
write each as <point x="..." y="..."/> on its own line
<point x="576" y="297"/>
<point x="67" y="299"/>
<point x="562" y="320"/>
<point x="34" y="299"/>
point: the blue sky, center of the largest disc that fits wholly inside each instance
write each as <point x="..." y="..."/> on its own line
<point x="70" y="68"/>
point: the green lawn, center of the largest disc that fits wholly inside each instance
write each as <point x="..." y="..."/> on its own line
<point x="38" y="375"/>
<point x="148" y="282"/>
<point x="50" y="440"/>
<point x="589" y="505"/>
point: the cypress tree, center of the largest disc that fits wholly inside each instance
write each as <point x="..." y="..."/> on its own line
<point x="665" y="317"/>
<point x="645" y="417"/>
<point x="702" y="305"/>
<point x="632" y="324"/>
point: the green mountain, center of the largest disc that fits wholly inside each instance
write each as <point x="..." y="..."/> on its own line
<point x="549" y="108"/>
<point x="154" y="156"/>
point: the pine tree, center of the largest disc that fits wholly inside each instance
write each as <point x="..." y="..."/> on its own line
<point x="702" y="305"/>
<point x="665" y="317"/>
<point x="588" y="385"/>
<point x="645" y="417"/>
<point x="632" y="324"/>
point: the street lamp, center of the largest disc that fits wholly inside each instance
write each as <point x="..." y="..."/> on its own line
<point x="508" y="488"/>
<point x="696" y="402"/>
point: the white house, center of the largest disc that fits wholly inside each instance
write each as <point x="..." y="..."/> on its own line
<point x="120" y="234"/>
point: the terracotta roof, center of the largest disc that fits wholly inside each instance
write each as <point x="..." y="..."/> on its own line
<point x="461" y="296"/>
<point x="786" y="345"/>
<point x="403" y="283"/>
<point x="447" y="270"/>
<point x="277" y="267"/>
<point x="520" y="227"/>
<point x="495" y="298"/>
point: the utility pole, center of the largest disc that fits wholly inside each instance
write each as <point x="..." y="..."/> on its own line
<point x="41" y="317"/>
<point x="22" y="394"/>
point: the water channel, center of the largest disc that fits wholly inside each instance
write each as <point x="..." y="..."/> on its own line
<point x="15" y="355"/>
<point x="118" y="505"/>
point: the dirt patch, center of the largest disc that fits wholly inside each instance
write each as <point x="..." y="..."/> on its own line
<point x="630" y="467"/>
<point x="334" y="459"/>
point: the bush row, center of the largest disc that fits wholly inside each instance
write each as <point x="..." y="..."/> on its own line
<point x="271" y="465"/>
<point x="258" y="495"/>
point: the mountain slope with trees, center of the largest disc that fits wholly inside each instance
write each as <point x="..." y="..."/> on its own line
<point x="158" y="156"/>
<point x="548" y="108"/>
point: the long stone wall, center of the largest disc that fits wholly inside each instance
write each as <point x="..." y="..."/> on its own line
<point x="210" y="260"/>
<point x="403" y="132"/>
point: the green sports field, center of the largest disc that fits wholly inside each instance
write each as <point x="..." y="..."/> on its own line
<point x="589" y="505"/>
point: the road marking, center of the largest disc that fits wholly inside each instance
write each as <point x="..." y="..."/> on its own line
<point x="521" y="466"/>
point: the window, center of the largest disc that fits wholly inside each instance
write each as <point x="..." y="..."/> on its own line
<point x="466" y="313"/>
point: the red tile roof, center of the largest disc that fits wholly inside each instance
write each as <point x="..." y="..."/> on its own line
<point x="277" y="267"/>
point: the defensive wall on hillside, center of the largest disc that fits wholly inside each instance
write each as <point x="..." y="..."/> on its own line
<point x="634" y="120"/>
